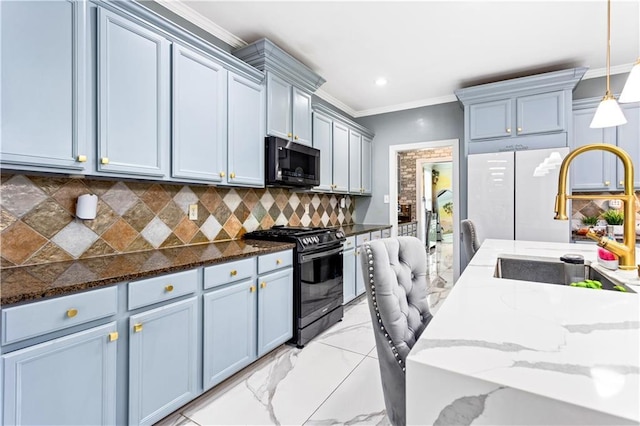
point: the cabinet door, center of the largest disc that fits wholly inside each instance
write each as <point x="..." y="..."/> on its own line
<point x="199" y="145"/>
<point x="365" y="165"/>
<point x="340" y="157"/>
<point x="355" y="159"/>
<point x="359" y="277"/>
<point x="133" y="106"/>
<point x="229" y="331"/>
<point x="490" y="120"/>
<point x="275" y="310"/>
<point x="301" y="116"/>
<point x="42" y="84"/>
<point x="65" y="381"/>
<point x="540" y="113"/>
<point x="349" y="276"/>
<point x="590" y="170"/>
<point x="278" y="107"/>
<point x="162" y="360"/>
<point x="246" y="138"/>
<point x="628" y="138"/>
<point x="323" y="140"/>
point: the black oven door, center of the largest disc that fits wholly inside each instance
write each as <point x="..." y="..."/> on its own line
<point x="320" y="284"/>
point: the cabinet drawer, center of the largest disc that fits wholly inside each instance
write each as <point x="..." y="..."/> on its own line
<point x="386" y="233"/>
<point x="363" y="238"/>
<point x="273" y="261"/>
<point x="158" y="289"/>
<point x="229" y="272"/>
<point x="35" y="319"/>
<point x="349" y="243"/>
<point x="376" y="235"/>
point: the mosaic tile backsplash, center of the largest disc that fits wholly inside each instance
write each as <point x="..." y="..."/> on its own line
<point x="38" y="224"/>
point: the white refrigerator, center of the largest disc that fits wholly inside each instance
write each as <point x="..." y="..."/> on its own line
<point x="511" y="195"/>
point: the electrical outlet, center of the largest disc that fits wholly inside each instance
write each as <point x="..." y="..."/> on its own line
<point x="306" y="208"/>
<point x="386" y="198"/>
<point x="193" y="212"/>
<point x="615" y="204"/>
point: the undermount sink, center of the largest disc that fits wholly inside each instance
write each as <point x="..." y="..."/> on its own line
<point x="546" y="270"/>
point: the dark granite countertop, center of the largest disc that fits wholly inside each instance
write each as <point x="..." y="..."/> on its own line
<point x="29" y="283"/>
<point x="350" y="230"/>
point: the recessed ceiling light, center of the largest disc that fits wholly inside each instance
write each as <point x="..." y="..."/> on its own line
<point x="381" y="81"/>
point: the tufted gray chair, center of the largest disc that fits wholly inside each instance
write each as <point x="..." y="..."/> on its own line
<point x="395" y="271"/>
<point x="469" y="238"/>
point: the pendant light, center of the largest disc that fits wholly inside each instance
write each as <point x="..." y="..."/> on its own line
<point x="608" y="113"/>
<point x="631" y="91"/>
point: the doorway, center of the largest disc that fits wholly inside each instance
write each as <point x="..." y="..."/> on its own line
<point x="449" y="196"/>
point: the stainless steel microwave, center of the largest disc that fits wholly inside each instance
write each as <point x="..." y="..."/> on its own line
<point x="291" y="164"/>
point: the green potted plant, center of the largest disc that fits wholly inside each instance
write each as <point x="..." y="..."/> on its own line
<point x="590" y="221"/>
<point x="614" y="218"/>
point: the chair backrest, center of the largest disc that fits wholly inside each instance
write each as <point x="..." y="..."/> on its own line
<point x="396" y="281"/>
<point x="469" y="238"/>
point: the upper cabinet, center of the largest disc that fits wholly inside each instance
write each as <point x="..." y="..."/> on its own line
<point x="523" y="113"/>
<point x="42" y="86"/>
<point x="345" y="152"/>
<point x="133" y="97"/>
<point x="600" y="170"/>
<point x="290" y="85"/>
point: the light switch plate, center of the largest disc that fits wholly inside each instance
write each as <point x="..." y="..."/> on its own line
<point x="386" y="198"/>
<point x="193" y="212"/>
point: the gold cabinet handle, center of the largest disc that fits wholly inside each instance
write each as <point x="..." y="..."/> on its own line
<point x="348" y="243"/>
<point x="508" y="129"/>
<point x="168" y="288"/>
<point x="621" y="183"/>
<point x="252" y="289"/>
<point x="519" y="129"/>
<point x="289" y="135"/>
<point x="137" y="328"/>
<point x="232" y="175"/>
<point x="72" y="312"/>
<point x="263" y="284"/>
<point x="607" y="183"/>
<point x="295" y="137"/>
<point x="278" y="261"/>
<point x="233" y="272"/>
<point x="222" y="174"/>
<point x="113" y="336"/>
<point x="104" y="160"/>
<point x="81" y="158"/>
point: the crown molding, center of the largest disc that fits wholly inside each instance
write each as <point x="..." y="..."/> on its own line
<point x="601" y="72"/>
<point x="336" y="102"/>
<point x="409" y="105"/>
<point x="203" y="22"/>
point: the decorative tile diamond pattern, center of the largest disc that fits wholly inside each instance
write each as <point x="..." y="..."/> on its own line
<point x="37" y="224"/>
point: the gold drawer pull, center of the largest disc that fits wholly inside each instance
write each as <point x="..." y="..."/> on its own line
<point x="295" y="137"/>
<point x="252" y="289"/>
<point x="72" y="312"/>
<point x="519" y="129"/>
<point x="621" y="183"/>
<point x="607" y="183"/>
<point x="104" y="160"/>
<point x="81" y="158"/>
<point x="137" y="328"/>
<point x="232" y="175"/>
<point x="113" y="336"/>
<point x="278" y="261"/>
<point x="263" y="284"/>
<point x="168" y="288"/>
<point x="222" y="174"/>
<point x="234" y="272"/>
<point x="289" y="135"/>
<point x="508" y="130"/>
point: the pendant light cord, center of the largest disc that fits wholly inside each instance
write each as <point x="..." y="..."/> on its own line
<point x="608" y="94"/>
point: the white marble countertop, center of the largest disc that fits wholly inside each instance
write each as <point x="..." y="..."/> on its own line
<point x="516" y="352"/>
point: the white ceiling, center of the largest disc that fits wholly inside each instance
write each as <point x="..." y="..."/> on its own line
<point x="425" y="49"/>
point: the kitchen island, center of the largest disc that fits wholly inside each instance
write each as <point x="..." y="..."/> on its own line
<point x="509" y="352"/>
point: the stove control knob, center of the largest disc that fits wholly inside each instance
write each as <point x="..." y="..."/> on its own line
<point x="317" y="239"/>
<point x="305" y="240"/>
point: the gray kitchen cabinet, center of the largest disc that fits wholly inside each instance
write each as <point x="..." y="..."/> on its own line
<point x="199" y="143"/>
<point x="323" y="140"/>
<point x="245" y="162"/>
<point x="288" y="111"/>
<point x="599" y="170"/>
<point x="133" y="98"/>
<point x="67" y="380"/>
<point x="355" y="160"/>
<point x="42" y="85"/>
<point x="361" y="239"/>
<point x="275" y="309"/>
<point x="349" y="270"/>
<point x="341" y="162"/>
<point x="163" y="344"/>
<point x="366" y="165"/>
<point x="490" y="119"/>
<point x="230" y="315"/>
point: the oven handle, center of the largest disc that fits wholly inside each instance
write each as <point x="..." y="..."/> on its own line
<point x="308" y="257"/>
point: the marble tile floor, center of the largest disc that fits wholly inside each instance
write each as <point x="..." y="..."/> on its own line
<point x="334" y="380"/>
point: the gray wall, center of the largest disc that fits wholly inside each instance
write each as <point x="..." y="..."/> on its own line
<point x="431" y="123"/>
<point x="595" y="87"/>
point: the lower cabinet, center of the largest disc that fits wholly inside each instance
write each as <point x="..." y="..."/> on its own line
<point x="275" y="309"/>
<point x="229" y="331"/>
<point x="68" y="380"/>
<point x="349" y="275"/>
<point x="163" y="344"/>
<point x="359" y="272"/>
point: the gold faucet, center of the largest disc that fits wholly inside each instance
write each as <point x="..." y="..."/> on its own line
<point x="627" y="250"/>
